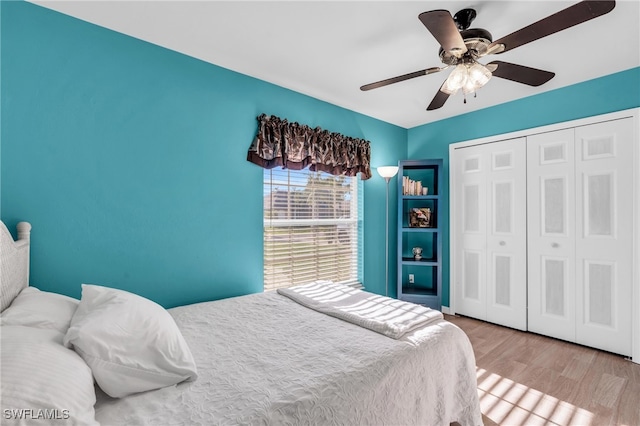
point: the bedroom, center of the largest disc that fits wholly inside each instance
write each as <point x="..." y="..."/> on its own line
<point x="130" y="160"/>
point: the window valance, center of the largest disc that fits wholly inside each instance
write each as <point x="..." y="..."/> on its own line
<point x="296" y="146"/>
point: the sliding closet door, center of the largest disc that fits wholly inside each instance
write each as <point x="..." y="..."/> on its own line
<point x="506" y="234"/>
<point x="490" y="232"/>
<point x="470" y="230"/>
<point x="604" y="243"/>
<point x="551" y="233"/>
<point x="580" y="223"/>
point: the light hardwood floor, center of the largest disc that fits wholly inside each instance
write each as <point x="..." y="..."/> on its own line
<point x="528" y="379"/>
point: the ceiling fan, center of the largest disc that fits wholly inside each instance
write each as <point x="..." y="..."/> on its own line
<point x="461" y="47"/>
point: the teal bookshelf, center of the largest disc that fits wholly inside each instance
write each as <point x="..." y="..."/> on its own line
<point x="419" y="213"/>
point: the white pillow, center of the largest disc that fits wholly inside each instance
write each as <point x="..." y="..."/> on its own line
<point x="131" y="343"/>
<point x="40" y="309"/>
<point x="42" y="381"/>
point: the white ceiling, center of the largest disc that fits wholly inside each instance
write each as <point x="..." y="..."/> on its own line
<point x="328" y="49"/>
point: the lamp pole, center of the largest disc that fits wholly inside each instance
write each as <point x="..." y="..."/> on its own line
<point x="387" y="172"/>
<point x="386" y="243"/>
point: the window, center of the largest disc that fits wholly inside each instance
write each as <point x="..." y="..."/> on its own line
<point x="312" y="228"/>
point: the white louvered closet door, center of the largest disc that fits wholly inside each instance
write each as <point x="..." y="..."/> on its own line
<point x="490" y="232"/>
<point x="506" y="234"/>
<point x="580" y="239"/>
<point x="551" y="233"/>
<point x="604" y="235"/>
<point x="471" y="235"/>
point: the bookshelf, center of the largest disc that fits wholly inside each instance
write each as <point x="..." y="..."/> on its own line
<point x="419" y="254"/>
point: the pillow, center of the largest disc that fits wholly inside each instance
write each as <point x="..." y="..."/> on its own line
<point x="42" y="381"/>
<point x="131" y="343"/>
<point x="40" y="309"/>
<point x="14" y="263"/>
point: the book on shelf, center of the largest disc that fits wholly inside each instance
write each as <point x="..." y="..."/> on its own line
<point x="413" y="187"/>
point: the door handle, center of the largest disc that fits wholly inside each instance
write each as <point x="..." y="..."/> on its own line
<point x="555" y="245"/>
<point x="502" y="243"/>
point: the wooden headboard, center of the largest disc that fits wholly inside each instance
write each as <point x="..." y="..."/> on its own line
<point x="14" y="262"/>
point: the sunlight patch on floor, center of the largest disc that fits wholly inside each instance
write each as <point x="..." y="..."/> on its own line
<point x="507" y="402"/>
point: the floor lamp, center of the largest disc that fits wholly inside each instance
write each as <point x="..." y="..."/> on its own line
<point x="387" y="172"/>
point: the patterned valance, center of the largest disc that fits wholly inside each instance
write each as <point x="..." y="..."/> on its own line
<point x="296" y="146"/>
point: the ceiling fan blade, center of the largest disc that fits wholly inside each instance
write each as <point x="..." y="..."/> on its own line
<point x="438" y="100"/>
<point x="566" y="18"/>
<point x="520" y="73"/>
<point x="399" y="78"/>
<point x="441" y="25"/>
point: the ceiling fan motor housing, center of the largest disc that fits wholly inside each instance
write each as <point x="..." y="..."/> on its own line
<point x="464" y="18"/>
<point x="477" y="41"/>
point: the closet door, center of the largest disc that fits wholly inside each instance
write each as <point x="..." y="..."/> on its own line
<point x="490" y="232"/>
<point x="604" y="241"/>
<point x="551" y="234"/>
<point x="506" y="234"/>
<point x="471" y="234"/>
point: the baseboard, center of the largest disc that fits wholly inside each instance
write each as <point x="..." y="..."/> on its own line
<point x="446" y="310"/>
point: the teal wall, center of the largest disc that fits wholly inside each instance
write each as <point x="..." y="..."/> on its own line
<point x="600" y="96"/>
<point x="130" y="162"/>
<point x="130" y="159"/>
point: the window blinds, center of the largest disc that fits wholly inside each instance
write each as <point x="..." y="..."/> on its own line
<point x="311" y="228"/>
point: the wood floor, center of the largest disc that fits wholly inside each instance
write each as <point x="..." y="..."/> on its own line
<point x="528" y="379"/>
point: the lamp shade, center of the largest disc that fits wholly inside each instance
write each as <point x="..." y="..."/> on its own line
<point x="467" y="76"/>
<point x="387" y="171"/>
<point x="456" y="80"/>
<point x="478" y="76"/>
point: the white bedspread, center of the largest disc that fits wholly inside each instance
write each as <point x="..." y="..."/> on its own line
<point x="391" y="317"/>
<point x="264" y="359"/>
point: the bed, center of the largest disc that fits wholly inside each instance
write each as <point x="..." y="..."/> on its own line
<point x="266" y="358"/>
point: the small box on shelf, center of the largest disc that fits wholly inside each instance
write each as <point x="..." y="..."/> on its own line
<point x="420" y="217"/>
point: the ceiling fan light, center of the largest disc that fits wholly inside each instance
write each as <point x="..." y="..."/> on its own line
<point x="479" y="75"/>
<point x="448" y="91"/>
<point x="469" y="87"/>
<point x="456" y="80"/>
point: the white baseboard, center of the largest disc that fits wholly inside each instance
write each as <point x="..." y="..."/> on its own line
<point x="446" y="310"/>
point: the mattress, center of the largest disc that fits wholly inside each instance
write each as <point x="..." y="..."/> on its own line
<point x="264" y="359"/>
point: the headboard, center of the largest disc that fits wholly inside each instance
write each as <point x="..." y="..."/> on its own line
<point x="14" y="263"/>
